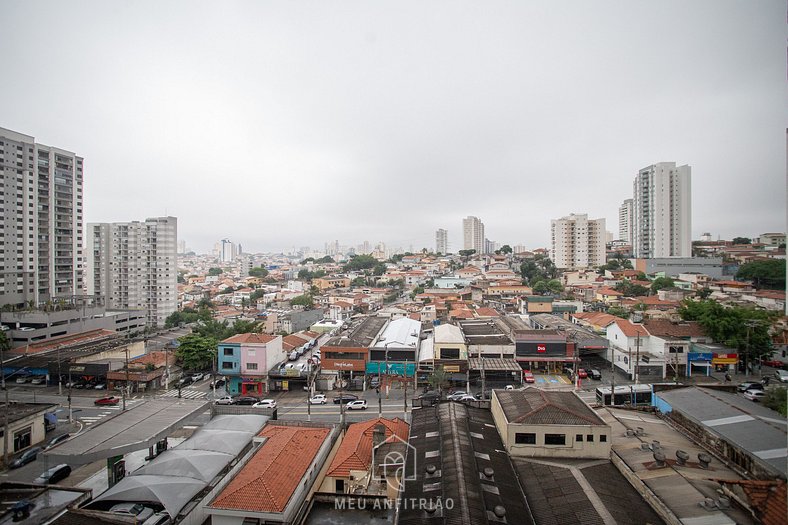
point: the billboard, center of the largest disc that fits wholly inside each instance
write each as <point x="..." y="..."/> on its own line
<point x="544" y="349"/>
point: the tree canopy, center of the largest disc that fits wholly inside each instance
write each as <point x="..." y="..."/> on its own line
<point x="215" y="271"/>
<point x="257" y="271"/>
<point x="746" y="329"/>
<point x="741" y="240"/>
<point x="540" y="268"/>
<point x="186" y="316"/>
<point x="467" y="253"/>
<point x="302" y="300"/>
<point x="629" y="289"/>
<point x="360" y="262"/>
<point x="196" y="352"/>
<point x="548" y="286"/>
<point x="764" y="274"/>
<point x="661" y="282"/>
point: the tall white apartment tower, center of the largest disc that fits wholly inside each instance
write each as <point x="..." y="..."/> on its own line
<point x="442" y="241"/>
<point x="41" y="225"/>
<point x="577" y="242"/>
<point x="227" y="251"/>
<point x="473" y="234"/>
<point x="662" y="211"/>
<point x="133" y="265"/>
<point x="625" y="221"/>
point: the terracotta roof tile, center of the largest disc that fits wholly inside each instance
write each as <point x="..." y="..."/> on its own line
<point x="631" y="330"/>
<point x="250" y="338"/>
<point x="355" y="452"/>
<point x="268" y="480"/>
<point x="666" y="328"/>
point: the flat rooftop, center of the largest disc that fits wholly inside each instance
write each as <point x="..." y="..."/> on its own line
<point x="360" y="337"/>
<point x="135" y="429"/>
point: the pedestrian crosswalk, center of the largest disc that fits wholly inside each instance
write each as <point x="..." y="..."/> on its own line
<point x="187" y="393"/>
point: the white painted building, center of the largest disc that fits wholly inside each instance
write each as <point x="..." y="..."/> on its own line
<point x="662" y="211"/>
<point x="577" y="242"/>
<point x="133" y="265"/>
<point x="473" y="234"/>
<point x="625" y="221"/>
<point x="41" y="226"/>
<point x="442" y="241"/>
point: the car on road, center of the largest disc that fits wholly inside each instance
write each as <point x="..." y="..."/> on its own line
<point x="374" y="382"/>
<point x="773" y="363"/>
<point x="26" y="457"/>
<point x="185" y="381"/>
<point x="38" y="380"/>
<point x="429" y="398"/>
<point x="218" y="383"/>
<point x="750" y="385"/>
<point x="245" y="400"/>
<point x="581" y="373"/>
<point x="595" y="374"/>
<point x="225" y="400"/>
<point x="754" y="395"/>
<point x="464" y="397"/>
<point x="53" y="475"/>
<point x="781" y="376"/>
<point x="344" y="398"/>
<point x="528" y="376"/>
<point x="106" y="401"/>
<point x="57" y="440"/>
<point x="456" y="394"/>
<point x="358" y="404"/>
<point x="138" y="511"/>
<point x="100" y="386"/>
<point x="487" y="394"/>
<point x="198" y="376"/>
<point x="265" y="403"/>
<point x="22" y="379"/>
<point x="318" y="399"/>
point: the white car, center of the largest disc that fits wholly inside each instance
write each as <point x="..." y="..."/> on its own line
<point x="225" y="400"/>
<point x="318" y="399"/>
<point x="198" y="376"/>
<point x="781" y="375"/>
<point x="358" y="404"/>
<point x="754" y="395"/>
<point x="265" y="403"/>
<point x="466" y="397"/>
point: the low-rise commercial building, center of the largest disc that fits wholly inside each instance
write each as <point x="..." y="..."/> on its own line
<point x="245" y="359"/>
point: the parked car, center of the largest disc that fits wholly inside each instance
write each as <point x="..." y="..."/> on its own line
<point x="429" y="398"/>
<point x="781" y="375"/>
<point x="26" y="457"/>
<point x="581" y="373"/>
<point x="318" y="399"/>
<point x="487" y="394"/>
<point x="509" y="387"/>
<point x="773" y="363"/>
<point x="374" y="382"/>
<point x="53" y="475"/>
<point x="100" y="386"/>
<point x="464" y="397"/>
<point x="750" y="385"/>
<point x="57" y="440"/>
<point x="595" y="374"/>
<point x="754" y="395"/>
<point x="245" y="400"/>
<point x="455" y="396"/>
<point x="160" y="518"/>
<point x="197" y="376"/>
<point x="185" y="381"/>
<point x="344" y="398"/>
<point x="293" y="355"/>
<point x="265" y="403"/>
<point x="358" y="404"/>
<point x="528" y="377"/>
<point x="138" y="511"/>
<point x="80" y="384"/>
<point x="22" y="379"/>
<point x="106" y="401"/>
<point x="219" y="383"/>
<point x="38" y="380"/>
<point x="225" y="400"/>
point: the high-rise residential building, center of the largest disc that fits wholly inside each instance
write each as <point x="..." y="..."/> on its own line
<point x="625" y="221"/>
<point x="133" y="265"/>
<point x="181" y="247"/>
<point x="578" y="242"/>
<point x="227" y="251"/>
<point x="442" y="241"/>
<point x="473" y="234"/>
<point x="41" y="229"/>
<point x="490" y="246"/>
<point x="662" y="211"/>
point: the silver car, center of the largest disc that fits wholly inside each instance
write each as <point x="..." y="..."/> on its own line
<point x="138" y="511"/>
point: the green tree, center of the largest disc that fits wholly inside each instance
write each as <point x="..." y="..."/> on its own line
<point x="379" y="269"/>
<point x="741" y="240"/>
<point x="215" y="271"/>
<point x="438" y="379"/>
<point x="416" y="291"/>
<point x="305" y="275"/>
<point x="308" y="260"/>
<point x="360" y="262"/>
<point x="302" y="300"/>
<point x="5" y="344"/>
<point x="629" y="289"/>
<point x="618" y="312"/>
<point x="506" y="249"/>
<point x="764" y="274"/>
<point x="660" y="283"/>
<point x="258" y="272"/>
<point x="241" y="326"/>
<point x="325" y="260"/>
<point x="776" y="398"/>
<point x="196" y="352"/>
<point x="186" y="316"/>
<point x="358" y="281"/>
<point x="467" y="253"/>
<point x="703" y="293"/>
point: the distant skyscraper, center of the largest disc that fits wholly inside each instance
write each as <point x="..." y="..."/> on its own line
<point x="578" y="242"/>
<point x="625" y="221"/>
<point x="442" y="241"/>
<point x="662" y="211"/>
<point x="41" y="227"/>
<point x="181" y="246"/>
<point x="490" y="246"/>
<point x="133" y="265"/>
<point x="473" y="234"/>
<point x="226" y="251"/>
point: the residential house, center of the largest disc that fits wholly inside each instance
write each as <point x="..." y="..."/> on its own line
<point x="245" y="360"/>
<point x="609" y="296"/>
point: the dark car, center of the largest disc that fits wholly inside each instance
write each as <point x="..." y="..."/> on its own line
<point x="26" y="457"/>
<point x="429" y="398"/>
<point x="245" y="400"/>
<point x="344" y="399"/>
<point x="595" y="374"/>
<point x="185" y="381"/>
<point x="53" y="475"/>
<point x="750" y="385"/>
<point x="56" y="440"/>
<point x="219" y="383"/>
<point x="487" y="394"/>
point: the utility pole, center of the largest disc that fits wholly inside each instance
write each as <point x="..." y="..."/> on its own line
<point x="126" y="386"/>
<point x="483" y="378"/>
<point x="7" y="408"/>
<point x="405" y="389"/>
<point x="308" y="392"/>
<point x="750" y="323"/>
<point x="612" y="377"/>
<point x="637" y="360"/>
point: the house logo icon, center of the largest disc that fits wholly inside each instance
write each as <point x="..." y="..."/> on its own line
<point x="395" y="460"/>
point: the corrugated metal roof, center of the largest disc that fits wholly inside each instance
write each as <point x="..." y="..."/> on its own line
<point x="533" y="406"/>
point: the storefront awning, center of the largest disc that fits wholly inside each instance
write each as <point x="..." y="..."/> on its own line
<point x="498" y="364"/>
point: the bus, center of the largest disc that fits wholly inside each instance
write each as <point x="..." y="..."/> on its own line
<point x="626" y="395"/>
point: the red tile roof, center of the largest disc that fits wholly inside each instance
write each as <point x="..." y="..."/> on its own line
<point x="631" y="330"/>
<point x="766" y="498"/>
<point x="487" y="312"/>
<point x="666" y="328"/>
<point x="268" y="480"/>
<point x="609" y="291"/>
<point x="295" y="339"/>
<point x="355" y="452"/>
<point x="250" y="338"/>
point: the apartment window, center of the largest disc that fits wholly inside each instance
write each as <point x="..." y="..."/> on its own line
<point x="251" y="366"/>
<point x="579" y="437"/>
<point x="527" y="438"/>
<point x="590" y="438"/>
<point x="676" y="349"/>
<point x="555" y="439"/>
<point x="603" y="438"/>
<point x="227" y="366"/>
<point x="228" y="352"/>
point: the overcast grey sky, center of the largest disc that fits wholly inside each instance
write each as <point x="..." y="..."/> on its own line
<point x="281" y="124"/>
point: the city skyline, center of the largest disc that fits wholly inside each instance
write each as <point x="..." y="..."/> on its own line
<point x="516" y="115"/>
